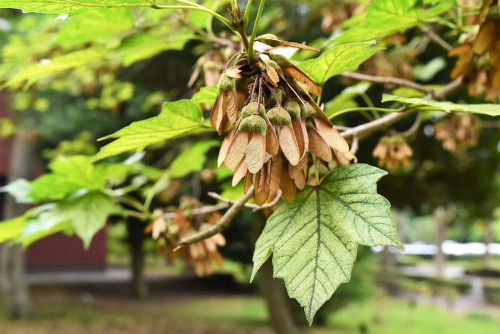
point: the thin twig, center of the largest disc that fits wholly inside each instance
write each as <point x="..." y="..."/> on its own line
<point x="200" y="211"/>
<point x="221" y="224"/>
<point x="364" y="130"/>
<point x="386" y="80"/>
<point x="435" y="38"/>
<point x="355" y="145"/>
<point x="411" y="131"/>
<point x="255" y="207"/>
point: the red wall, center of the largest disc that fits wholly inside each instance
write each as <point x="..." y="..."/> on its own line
<point x="62" y="251"/>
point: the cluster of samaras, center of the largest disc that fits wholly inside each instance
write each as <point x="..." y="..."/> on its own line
<point x="274" y="127"/>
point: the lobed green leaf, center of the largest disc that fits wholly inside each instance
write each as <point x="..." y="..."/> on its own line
<point x="314" y="240"/>
<point x="484" y="109"/>
<point x="70" y="6"/>
<point x="338" y="59"/>
<point x="176" y="119"/>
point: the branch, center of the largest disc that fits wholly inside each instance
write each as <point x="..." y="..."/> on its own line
<point x="200" y="211"/>
<point x="386" y="80"/>
<point x="364" y="130"/>
<point x="222" y="224"/>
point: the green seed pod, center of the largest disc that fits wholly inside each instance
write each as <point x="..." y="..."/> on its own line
<point x="303" y="88"/>
<point x="293" y="108"/>
<point x="279" y="116"/>
<point x="226" y="83"/>
<point x="269" y="39"/>
<point x="251" y="108"/>
<point x="253" y="123"/>
<point x="281" y="60"/>
<point x="278" y="99"/>
<point x="308" y="110"/>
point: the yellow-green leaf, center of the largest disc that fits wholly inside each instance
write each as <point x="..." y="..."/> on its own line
<point x="484" y="109"/>
<point x="176" y="119"/>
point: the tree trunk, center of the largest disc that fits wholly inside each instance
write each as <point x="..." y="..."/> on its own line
<point x="138" y="285"/>
<point x="273" y="291"/>
<point x="488" y="239"/>
<point x="277" y="305"/>
<point x="12" y="279"/>
<point x="440" y="221"/>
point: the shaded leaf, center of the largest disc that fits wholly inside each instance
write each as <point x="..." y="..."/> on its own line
<point x="314" y="239"/>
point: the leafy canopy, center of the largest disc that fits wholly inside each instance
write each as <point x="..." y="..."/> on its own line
<point x="314" y="240"/>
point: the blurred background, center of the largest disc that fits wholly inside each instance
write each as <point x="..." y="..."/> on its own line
<point x="446" y="200"/>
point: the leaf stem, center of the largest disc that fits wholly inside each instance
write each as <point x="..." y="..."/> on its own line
<point x="195" y="6"/>
<point x="247" y="13"/>
<point x="250" y="52"/>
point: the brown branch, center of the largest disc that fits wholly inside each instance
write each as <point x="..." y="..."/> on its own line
<point x="222" y="224"/>
<point x="200" y="211"/>
<point x="364" y="130"/>
<point x="386" y="80"/>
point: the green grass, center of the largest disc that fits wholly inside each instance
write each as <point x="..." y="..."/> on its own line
<point x="235" y="315"/>
<point x="393" y="316"/>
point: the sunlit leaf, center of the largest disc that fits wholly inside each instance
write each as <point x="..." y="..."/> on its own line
<point x="314" y="239"/>
<point x="337" y="60"/>
<point x="386" y="17"/>
<point x="176" y="119"/>
<point x="485" y="109"/>
<point x="206" y="95"/>
<point x="70" y="6"/>
<point x="47" y="67"/>
<point x="96" y="25"/>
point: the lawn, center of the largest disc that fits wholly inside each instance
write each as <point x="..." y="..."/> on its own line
<point x="58" y="312"/>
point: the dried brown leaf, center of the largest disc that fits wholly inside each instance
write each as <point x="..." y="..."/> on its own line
<point x="289" y="145"/>
<point x="237" y="149"/>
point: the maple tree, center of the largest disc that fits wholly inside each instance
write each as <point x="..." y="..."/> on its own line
<point x="265" y="97"/>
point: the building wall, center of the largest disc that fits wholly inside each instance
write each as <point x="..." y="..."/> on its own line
<point x="59" y="250"/>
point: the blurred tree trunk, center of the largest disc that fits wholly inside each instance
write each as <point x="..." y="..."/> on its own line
<point x="488" y="239"/>
<point x="440" y="225"/>
<point x="12" y="279"/>
<point x="273" y="291"/>
<point x="276" y="299"/>
<point x="138" y="285"/>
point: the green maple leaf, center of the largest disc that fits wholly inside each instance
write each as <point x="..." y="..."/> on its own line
<point x="414" y="102"/>
<point x="338" y="59"/>
<point x="176" y="119"/>
<point x="314" y="240"/>
<point x="70" y="6"/>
